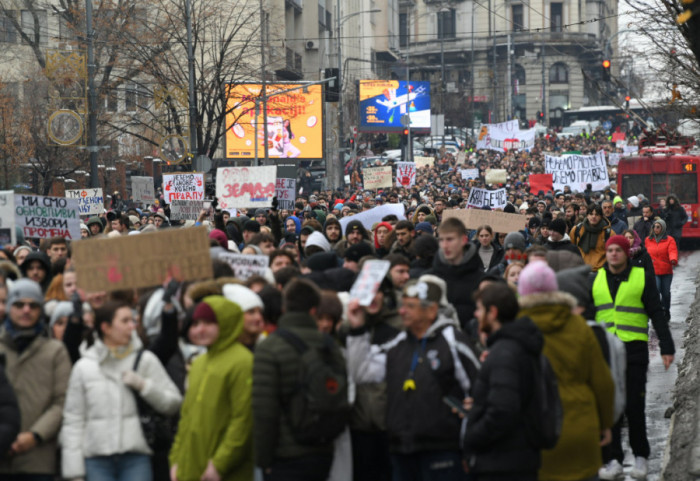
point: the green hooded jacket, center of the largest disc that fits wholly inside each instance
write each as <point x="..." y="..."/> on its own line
<point x="216" y="421"/>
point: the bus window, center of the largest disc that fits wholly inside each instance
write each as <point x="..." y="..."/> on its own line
<point x="636" y="184"/>
<point x="685" y="186"/>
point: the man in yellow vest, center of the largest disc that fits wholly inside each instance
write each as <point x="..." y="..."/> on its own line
<point x="625" y="298"/>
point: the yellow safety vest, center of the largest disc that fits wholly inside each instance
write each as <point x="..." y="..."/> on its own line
<point x="626" y="317"/>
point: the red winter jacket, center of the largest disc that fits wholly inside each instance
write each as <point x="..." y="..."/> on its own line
<point x="664" y="254"/>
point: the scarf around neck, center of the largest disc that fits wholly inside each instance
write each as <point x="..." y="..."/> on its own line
<point x="589" y="238"/>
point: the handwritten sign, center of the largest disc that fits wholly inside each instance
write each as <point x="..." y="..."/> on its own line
<point x="285" y="190"/>
<point x="469" y="174"/>
<point x="91" y="201"/>
<point x="110" y="264"/>
<point x="496" y="176"/>
<point x="245" y="265"/>
<point x="377" y="178"/>
<point x="495" y="199"/>
<point x="369" y="217"/>
<point x="185" y="209"/>
<point x="246" y="186"/>
<point x="613" y="158"/>
<point x="188" y="186"/>
<point x="405" y="174"/>
<point x="505" y="136"/>
<point x="45" y="217"/>
<point x="578" y="170"/>
<point x="499" y="221"/>
<point x="142" y="190"/>
<point x="423" y="161"/>
<point x="7" y="218"/>
<point x="367" y="283"/>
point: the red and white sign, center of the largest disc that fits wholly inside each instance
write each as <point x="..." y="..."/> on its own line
<point x="188" y="186"/>
<point x="239" y="187"/>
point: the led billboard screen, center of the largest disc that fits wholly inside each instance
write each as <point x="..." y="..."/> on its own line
<point x="294" y="122"/>
<point x="383" y="103"/>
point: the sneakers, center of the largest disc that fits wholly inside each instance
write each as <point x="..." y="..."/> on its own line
<point x="612" y="470"/>
<point x="639" y="471"/>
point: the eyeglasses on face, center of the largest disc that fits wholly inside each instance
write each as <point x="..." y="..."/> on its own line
<point x="22" y="305"/>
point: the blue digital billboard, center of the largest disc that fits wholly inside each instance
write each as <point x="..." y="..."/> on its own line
<point x="383" y="103"/>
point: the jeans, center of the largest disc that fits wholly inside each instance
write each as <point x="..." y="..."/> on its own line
<point x="663" y="284"/>
<point x="428" y="466"/>
<point x="370" y="456"/>
<point x="119" y="467"/>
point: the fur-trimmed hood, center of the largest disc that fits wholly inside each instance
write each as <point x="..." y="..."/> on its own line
<point x="548" y="310"/>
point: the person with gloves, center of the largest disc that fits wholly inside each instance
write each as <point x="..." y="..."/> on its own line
<point x="101" y="437"/>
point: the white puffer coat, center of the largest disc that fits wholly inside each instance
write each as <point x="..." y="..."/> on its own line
<point x="100" y="417"/>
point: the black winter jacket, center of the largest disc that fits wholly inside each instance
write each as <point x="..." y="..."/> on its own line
<point x="675" y="217"/>
<point x="562" y="245"/>
<point x="9" y="413"/>
<point x="418" y="420"/>
<point x="496" y="441"/>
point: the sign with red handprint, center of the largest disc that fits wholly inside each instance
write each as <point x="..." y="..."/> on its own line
<point x="189" y="186"/>
<point x="405" y="174"/>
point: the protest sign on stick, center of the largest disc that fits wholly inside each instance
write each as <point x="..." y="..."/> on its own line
<point x="185" y="209"/>
<point x="421" y="161"/>
<point x="189" y="186"/>
<point x="469" y="174"/>
<point x="285" y="189"/>
<point x="377" y="178"/>
<point x="238" y="187"/>
<point x="495" y="199"/>
<point x="405" y="174"/>
<point x="499" y="221"/>
<point x="7" y="218"/>
<point x="113" y="264"/>
<point x="142" y="189"/>
<point x="45" y="217"/>
<point x="245" y="265"/>
<point x="368" y="281"/>
<point x="91" y="201"/>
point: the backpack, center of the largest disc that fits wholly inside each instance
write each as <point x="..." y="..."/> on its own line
<point x="318" y="409"/>
<point x="614" y="353"/>
<point x="577" y="233"/>
<point x="547" y="412"/>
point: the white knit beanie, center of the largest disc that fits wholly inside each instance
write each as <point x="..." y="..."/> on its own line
<point x="244" y="297"/>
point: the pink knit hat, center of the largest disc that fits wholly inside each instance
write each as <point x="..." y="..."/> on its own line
<point x="537" y="277"/>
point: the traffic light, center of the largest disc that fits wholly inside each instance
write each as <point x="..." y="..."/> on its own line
<point x="627" y="101"/>
<point x="332" y="87"/>
<point x="606" y="70"/>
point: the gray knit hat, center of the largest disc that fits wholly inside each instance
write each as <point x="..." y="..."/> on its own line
<point x="24" y="289"/>
<point x="514" y="240"/>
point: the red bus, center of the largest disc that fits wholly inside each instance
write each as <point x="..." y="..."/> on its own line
<point x="662" y="169"/>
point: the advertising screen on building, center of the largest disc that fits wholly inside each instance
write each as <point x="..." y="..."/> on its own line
<point x="384" y="102"/>
<point x="294" y="122"/>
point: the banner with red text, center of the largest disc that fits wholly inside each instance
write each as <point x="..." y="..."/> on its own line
<point x="239" y="187"/>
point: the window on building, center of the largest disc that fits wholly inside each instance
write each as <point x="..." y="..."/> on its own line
<point x="8" y="34"/>
<point x="556" y="16"/>
<point x="134" y="97"/>
<point x="518" y="75"/>
<point x="559" y="74"/>
<point x="30" y="20"/>
<point x="558" y="102"/>
<point x="447" y="23"/>
<point x="519" y="106"/>
<point x="112" y="101"/>
<point x="403" y="30"/>
<point x="518" y="18"/>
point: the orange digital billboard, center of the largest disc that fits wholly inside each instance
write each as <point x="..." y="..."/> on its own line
<point x="294" y="122"/>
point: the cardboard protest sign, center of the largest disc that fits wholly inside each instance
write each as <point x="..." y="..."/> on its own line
<point x="496" y="176"/>
<point x="468" y="174"/>
<point x="189" y="186"/>
<point x="578" y="170"/>
<point x="405" y="174"/>
<point x="499" y="221"/>
<point x="367" y="283"/>
<point x="377" y="177"/>
<point x="142" y="189"/>
<point x="45" y="217"/>
<point x="91" y="200"/>
<point x="630" y="149"/>
<point x="369" y="217"/>
<point x="461" y="157"/>
<point x="505" y="136"/>
<point x="185" y="209"/>
<point x="246" y="186"/>
<point x="7" y="218"/>
<point x="495" y="199"/>
<point x="245" y="265"/>
<point x="285" y="190"/>
<point x="423" y="161"/>
<point x="613" y="158"/>
<point x="117" y="263"/>
<point x="541" y="182"/>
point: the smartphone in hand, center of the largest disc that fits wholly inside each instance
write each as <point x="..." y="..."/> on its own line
<point x="455" y="404"/>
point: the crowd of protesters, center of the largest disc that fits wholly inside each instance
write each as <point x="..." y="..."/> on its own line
<point x="461" y="314"/>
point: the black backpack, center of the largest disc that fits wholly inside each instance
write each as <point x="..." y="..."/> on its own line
<point x="318" y="409"/>
<point x="547" y="412"/>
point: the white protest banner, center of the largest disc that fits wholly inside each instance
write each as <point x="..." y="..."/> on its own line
<point x="188" y="186"/>
<point x="45" y="217"/>
<point x="405" y="174"/>
<point x="7" y="218"/>
<point x="505" y="136"/>
<point x="630" y="149"/>
<point x="367" y="283"/>
<point x="469" y="174"/>
<point x="578" y="170"/>
<point x="423" y="161"/>
<point x="185" y="209"/>
<point x="246" y="186"/>
<point x="91" y="200"/>
<point x="142" y="189"/>
<point x="377" y="177"/>
<point x="613" y="158"/>
<point x="285" y="190"/>
<point x="620" y="144"/>
<point x="245" y="265"/>
<point x="499" y="221"/>
<point x="496" y="176"/>
<point x="369" y="217"/>
<point x="495" y="199"/>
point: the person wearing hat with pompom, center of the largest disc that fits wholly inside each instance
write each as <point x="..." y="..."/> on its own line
<point x="625" y="298"/>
